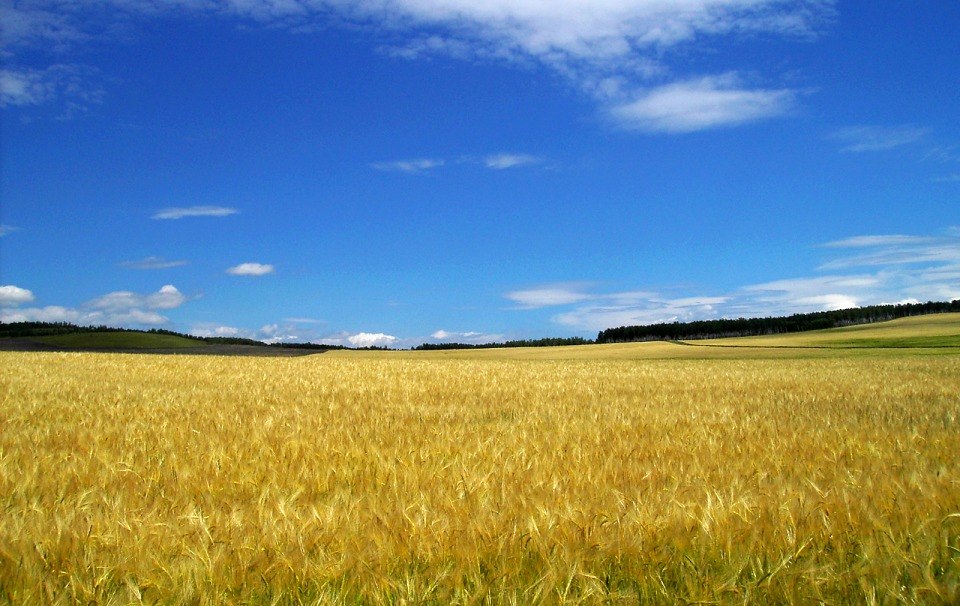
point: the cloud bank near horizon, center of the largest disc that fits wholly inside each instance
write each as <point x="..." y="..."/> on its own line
<point x="888" y="269"/>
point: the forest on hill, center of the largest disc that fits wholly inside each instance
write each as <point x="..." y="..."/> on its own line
<point x="748" y="327"/>
<point x="674" y="331"/>
<point x="28" y="330"/>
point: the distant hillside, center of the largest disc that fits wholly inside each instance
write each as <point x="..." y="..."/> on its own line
<point x="748" y="327"/>
<point x="120" y="340"/>
<point x="71" y="336"/>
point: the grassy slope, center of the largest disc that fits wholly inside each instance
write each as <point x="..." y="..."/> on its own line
<point x="937" y="331"/>
<point x="119" y="340"/>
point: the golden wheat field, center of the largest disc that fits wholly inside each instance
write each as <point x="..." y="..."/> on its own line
<point x="394" y="478"/>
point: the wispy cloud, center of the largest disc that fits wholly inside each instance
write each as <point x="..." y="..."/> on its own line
<point x="303" y="321"/>
<point x="700" y="104"/>
<point x="153" y="263"/>
<point x="504" y="160"/>
<point x="251" y="269"/>
<point x="547" y="296"/>
<point x="895" y="250"/>
<point x="6" y="230"/>
<point x="75" y="86"/>
<point x="870" y="270"/>
<point x="878" y="138"/>
<point x="883" y="240"/>
<point x="588" y="42"/>
<point x="465" y="337"/>
<point x="194" y="211"/>
<point x="602" y="311"/>
<point x="412" y="167"/>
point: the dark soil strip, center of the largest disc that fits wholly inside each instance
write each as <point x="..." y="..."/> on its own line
<point x="208" y="350"/>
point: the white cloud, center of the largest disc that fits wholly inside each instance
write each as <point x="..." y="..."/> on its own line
<point x="215" y="331"/>
<point x="865" y="241"/>
<point x="878" y="138"/>
<point x="153" y="263"/>
<point x="465" y="337"/>
<point x="6" y="230"/>
<point x="900" y="268"/>
<point x="11" y="296"/>
<point x="592" y="43"/>
<point x="416" y="166"/>
<point x="366" y="339"/>
<point x="52" y="313"/>
<point x="704" y="103"/>
<point x="75" y="85"/>
<point x="893" y="250"/>
<point x="603" y="312"/>
<point x="28" y="87"/>
<point x="594" y="30"/>
<point x="168" y="297"/>
<point x="251" y="269"/>
<point x="194" y="211"/>
<point x="547" y="296"/>
<point x="504" y="160"/>
<point x="119" y="308"/>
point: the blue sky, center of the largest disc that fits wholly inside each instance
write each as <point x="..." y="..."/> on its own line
<point x="393" y="172"/>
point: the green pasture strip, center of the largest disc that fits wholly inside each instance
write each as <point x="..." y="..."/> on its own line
<point x="119" y="340"/>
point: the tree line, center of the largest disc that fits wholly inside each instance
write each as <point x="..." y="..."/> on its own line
<point x="673" y="331"/>
<point x="748" y="327"/>
<point x="548" y="342"/>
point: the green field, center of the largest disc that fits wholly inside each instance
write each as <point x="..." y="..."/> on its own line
<point x="936" y="331"/>
<point x="119" y="340"/>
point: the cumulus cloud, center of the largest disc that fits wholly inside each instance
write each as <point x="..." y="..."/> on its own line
<point x="51" y="313"/>
<point x="366" y="339"/>
<point x="212" y="330"/>
<point x="153" y="263"/>
<point x="878" y="138"/>
<point x="194" y="211"/>
<point x="11" y="296"/>
<point x="412" y="167"/>
<point x="168" y="297"/>
<point x="118" y="308"/>
<point x="251" y="269"/>
<point x="704" y="103"/>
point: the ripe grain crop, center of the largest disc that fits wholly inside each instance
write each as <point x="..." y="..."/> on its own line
<point x="343" y="479"/>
